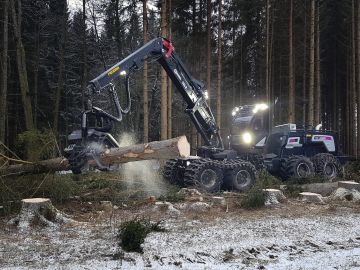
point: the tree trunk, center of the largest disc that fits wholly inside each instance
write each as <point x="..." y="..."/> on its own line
<point x="241" y="69"/>
<point x="39" y="211"/>
<point x="208" y="45"/>
<point x="318" y="77"/>
<point x="60" y="81"/>
<point x="267" y="64"/>
<point x="194" y="136"/>
<point x="312" y="61"/>
<point x="291" y="104"/>
<point x="163" y="113"/>
<point x="145" y="77"/>
<point x="234" y="64"/>
<point x="36" y="72"/>
<point x="167" y="149"/>
<point x="304" y="67"/>
<point x="21" y="66"/>
<point x="84" y="49"/>
<point x="353" y="83"/>
<point x="358" y="79"/>
<point x="170" y="85"/>
<point x="4" y="68"/>
<point x="218" y="90"/>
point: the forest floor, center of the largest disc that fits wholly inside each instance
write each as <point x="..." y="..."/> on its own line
<point x="291" y="235"/>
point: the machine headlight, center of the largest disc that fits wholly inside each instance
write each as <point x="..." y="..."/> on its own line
<point x="235" y="111"/>
<point x="247" y="138"/>
<point x="206" y="94"/>
<point x="260" y="107"/>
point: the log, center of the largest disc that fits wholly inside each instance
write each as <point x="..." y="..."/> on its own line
<point x="167" y="149"/>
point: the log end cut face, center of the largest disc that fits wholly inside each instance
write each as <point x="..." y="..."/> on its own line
<point x="184" y="147"/>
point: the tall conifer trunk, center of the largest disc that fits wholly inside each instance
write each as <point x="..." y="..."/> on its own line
<point x="145" y="77"/>
<point x="163" y="113"/>
<point x="312" y="62"/>
<point x="4" y="69"/>
<point x="291" y="103"/>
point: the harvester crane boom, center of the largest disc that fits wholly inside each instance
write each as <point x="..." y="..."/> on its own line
<point x="192" y="90"/>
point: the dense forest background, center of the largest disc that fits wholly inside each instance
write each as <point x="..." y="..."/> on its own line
<point x="302" y="55"/>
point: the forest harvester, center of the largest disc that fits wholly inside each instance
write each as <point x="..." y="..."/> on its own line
<point x="214" y="166"/>
<point x="286" y="150"/>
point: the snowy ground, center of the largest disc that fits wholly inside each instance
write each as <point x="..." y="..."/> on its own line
<point x="292" y="236"/>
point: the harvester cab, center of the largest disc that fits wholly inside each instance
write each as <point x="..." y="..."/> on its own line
<point x="249" y="132"/>
<point x="249" y="128"/>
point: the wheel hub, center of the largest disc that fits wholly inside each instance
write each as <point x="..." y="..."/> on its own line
<point x="208" y="178"/>
<point x="243" y="178"/>
<point x="330" y="170"/>
<point x="303" y="170"/>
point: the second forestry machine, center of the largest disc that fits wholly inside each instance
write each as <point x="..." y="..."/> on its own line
<point x="213" y="167"/>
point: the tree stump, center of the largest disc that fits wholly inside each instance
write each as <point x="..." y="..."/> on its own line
<point x="273" y="196"/>
<point x="39" y="211"/>
<point x="311" y="197"/>
<point x="350" y="185"/>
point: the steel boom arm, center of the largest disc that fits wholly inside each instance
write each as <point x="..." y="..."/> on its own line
<point x="192" y="90"/>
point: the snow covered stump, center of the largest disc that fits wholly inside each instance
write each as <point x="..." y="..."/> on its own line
<point x="311" y="197"/>
<point x="273" y="196"/>
<point x="350" y="185"/>
<point x="39" y="211"/>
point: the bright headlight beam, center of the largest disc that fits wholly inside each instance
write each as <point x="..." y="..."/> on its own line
<point x="260" y="107"/>
<point x="206" y="95"/>
<point x="247" y="138"/>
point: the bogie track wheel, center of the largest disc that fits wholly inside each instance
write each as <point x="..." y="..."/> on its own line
<point x="204" y="174"/>
<point x="297" y="167"/>
<point x="242" y="177"/>
<point x="173" y="172"/>
<point x="326" y="165"/>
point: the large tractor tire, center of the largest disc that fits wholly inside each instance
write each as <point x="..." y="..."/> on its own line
<point x="297" y="167"/>
<point x="327" y="166"/>
<point x="173" y="172"/>
<point x="241" y="177"/>
<point x="204" y="174"/>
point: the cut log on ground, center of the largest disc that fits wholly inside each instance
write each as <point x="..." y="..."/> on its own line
<point x="39" y="212"/>
<point x="168" y="149"/>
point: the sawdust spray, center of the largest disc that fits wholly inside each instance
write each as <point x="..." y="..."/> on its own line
<point x="143" y="174"/>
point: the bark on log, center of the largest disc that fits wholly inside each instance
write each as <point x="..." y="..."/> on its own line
<point x="167" y="149"/>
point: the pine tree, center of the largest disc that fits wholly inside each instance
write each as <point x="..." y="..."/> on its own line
<point x="312" y="65"/>
<point x="4" y="71"/>
<point x="208" y="48"/>
<point x="21" y="64"/>
<point x="145" y="76"/>
<point x="164" y="108"/>
<point x="291" y="104"/>
<point x="219" y="72"/>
